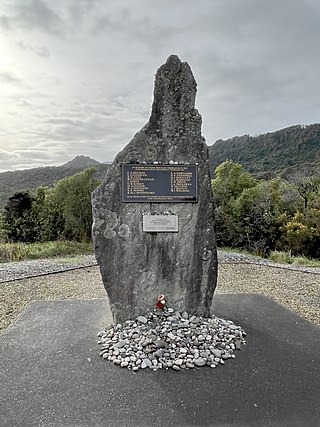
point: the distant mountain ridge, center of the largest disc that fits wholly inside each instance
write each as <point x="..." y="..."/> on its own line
<point x="282" y="152"/>
<point x="29" y="179"/>
<point x="271" y="153"/>
<point x="81" y="162"/>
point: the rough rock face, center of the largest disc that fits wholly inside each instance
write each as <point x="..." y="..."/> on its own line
<point x="137" y="266"/>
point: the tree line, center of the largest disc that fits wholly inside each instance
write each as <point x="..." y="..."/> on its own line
<point x="266" y="215"/>
<point x="48" y="214"/>
<point x="250" y="213"/>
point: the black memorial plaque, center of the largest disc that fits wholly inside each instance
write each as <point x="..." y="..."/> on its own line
<point x="159" y="183"/>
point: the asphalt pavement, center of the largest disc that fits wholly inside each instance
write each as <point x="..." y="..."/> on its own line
<point x="52" y="374"/>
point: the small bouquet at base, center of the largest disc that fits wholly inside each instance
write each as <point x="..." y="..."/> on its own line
<point x="161" y="303"/>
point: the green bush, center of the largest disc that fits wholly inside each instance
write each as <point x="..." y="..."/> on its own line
<point x="301" y="236"/>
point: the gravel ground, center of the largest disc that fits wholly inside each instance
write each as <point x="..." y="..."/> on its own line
<point x="24" y="269"/>
<point x="297" y="288"/>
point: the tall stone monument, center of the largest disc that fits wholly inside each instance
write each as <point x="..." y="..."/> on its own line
<point x="153" y="226"/>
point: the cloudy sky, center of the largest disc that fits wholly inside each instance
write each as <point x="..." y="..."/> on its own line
<point x="76" y="76"/>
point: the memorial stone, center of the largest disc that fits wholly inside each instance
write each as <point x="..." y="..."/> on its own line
<point x="162" y="172"/>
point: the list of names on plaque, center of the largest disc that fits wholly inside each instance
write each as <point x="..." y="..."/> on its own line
<point x="180" y="182"/>
<point x="159" y="183"/>
<point x="137" y="183"/>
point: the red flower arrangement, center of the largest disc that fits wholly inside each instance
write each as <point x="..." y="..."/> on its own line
<point x="161" y="302"/>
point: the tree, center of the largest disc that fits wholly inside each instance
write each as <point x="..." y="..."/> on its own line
<point x="231" y="180"/>
<point x="305" y="184"/>
<point x="3" y="232"/>
<point x="48" y="213"/>
<point x="249" y="213"/>
<point x="63" y="211"/>
<point x="18" y="220"/>
<point x="258" y="216"/>
<point x="73" y="195"/>
<point x="301" y="231"/>
<point x="301" y="237"/>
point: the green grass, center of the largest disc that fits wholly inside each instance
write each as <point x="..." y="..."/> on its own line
<point x="69" y="251"/>
<point x="279" y="257"/>
<point x="23" y="251"/>
<point x="286" y="258"/>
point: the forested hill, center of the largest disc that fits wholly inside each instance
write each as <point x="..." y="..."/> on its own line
<point x="271" y="153"/>
<point x="28" y="179"/>
<point x="281" y="152"/>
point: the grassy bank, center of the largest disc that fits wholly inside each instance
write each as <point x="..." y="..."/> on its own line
<point x="22" y="251"/>
<point x="280" y="257"/>
<point x="286" y="258"/>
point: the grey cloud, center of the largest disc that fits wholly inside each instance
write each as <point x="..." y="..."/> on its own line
<point x="4" y="22"/>
<point x="142" y="28"/>
<point x="41" y="51"/>
<point x="271" y="31"/>
<point x="86" y="131"/>
<point x="23" y="102"/>
<point x="8" y="160"/>
<point x="269" y="67"/>
<point x="6" y="155"/>
<point x="81" y="8"/>
<point x="45" y="155"/>
<point x="34" y="14"/>
<point x="9" y="77"/>
<point x="64" y="122"/>
<point x="86" y="124"/>
<point x="102" y="113"/>
<point x="30" y="154"/>
<point x="105" y="23"/>
<point x="255" y="63"/>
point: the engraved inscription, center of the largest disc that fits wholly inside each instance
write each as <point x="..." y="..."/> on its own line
<point x="159" y="183"/>
<point x="180" y="181"/>
<point x="160" y="223"/>
<point x="137" y="183"/>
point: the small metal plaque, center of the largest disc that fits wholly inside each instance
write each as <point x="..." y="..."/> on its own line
<point x="160" y="223"/>
<point x="159" y="183"/>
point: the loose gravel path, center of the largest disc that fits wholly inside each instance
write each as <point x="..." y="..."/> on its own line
<point x="295" y="287"/>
